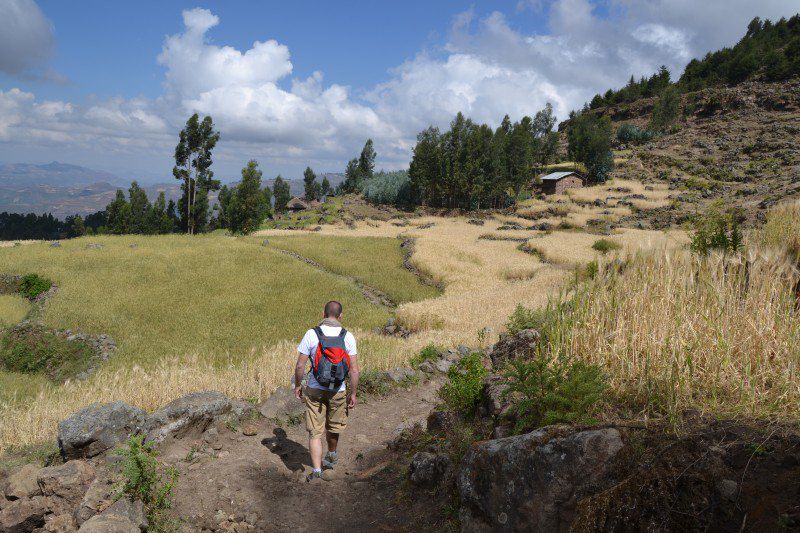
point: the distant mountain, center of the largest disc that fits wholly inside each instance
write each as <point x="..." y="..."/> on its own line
<point x="54" y="174"/>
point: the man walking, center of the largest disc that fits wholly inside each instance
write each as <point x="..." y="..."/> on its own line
<point x="332" y="352"/>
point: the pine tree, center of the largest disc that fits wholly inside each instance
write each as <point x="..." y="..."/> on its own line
<point x="366" y="161"/>
<point x="119" y="214"/>
<point x="312" y="190"/>
<point x="325" y="187"/>
<point x="140" y="221"/>
<point x="248" y="207"/>
<point x="282" y="194"/>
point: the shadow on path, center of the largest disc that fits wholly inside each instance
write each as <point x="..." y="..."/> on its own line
<point x="293" y="454"/>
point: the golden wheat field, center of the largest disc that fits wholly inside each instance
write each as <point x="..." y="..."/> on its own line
<point x="216" y="312"/>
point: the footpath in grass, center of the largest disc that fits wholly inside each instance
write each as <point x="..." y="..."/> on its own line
<point x="374" y="261"/>
<point x="167" y="297"/>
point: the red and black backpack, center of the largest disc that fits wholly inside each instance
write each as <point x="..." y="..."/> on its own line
<point x="331" y="363"/>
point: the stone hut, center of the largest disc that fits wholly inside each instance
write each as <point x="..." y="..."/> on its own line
<point x="558" y="182"/>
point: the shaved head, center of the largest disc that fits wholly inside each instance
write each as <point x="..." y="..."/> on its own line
<point x="333" y="309"/>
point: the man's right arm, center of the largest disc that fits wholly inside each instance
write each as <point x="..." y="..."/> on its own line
<point x="299" y="371"/>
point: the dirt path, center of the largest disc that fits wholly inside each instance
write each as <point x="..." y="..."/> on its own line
<point x="232" y="482"/>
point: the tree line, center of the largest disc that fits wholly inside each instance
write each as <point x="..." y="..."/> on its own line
<point x="767" y="50"/>
<point x="471" y="166"/>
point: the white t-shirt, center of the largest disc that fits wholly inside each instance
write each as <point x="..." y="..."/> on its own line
<point x="308" y="346"/>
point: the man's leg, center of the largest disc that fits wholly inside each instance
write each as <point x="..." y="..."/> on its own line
<point x="333" y="440"/>
<point x="316" y="414"/>
<point x="315" y="447"/>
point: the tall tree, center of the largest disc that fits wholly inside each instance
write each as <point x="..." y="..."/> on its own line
<point x="282" y="194"/>
<point x="325" y="187"/>
<point x="119" y="214"/>
<point x="162" y="221"/>
<point x="140" y="210"/>
<point x="312" y="190"/>
<point x="352" y="177"/>
<point x="248" y="205"/>
<point x="366" y="161"/>
<point x="590" y="143"/>
<point x="193" y="167"/>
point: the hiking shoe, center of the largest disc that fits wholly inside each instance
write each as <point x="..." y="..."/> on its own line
<point x="330" y="460"/>
<point x="313" y="476"/>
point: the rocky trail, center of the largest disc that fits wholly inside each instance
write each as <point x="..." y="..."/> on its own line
<point x="253" y="477"/>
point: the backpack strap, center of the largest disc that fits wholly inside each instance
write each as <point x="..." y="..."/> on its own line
<point x="343" y="333"/>
<point x="318" y="331"/>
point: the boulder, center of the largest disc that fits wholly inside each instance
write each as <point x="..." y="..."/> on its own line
<point x="189" y="414"/>
<point x="281" y="403"/>
<point x="132" y="510"/>
<point x="442" y="365"/>
<point x="532" y="482"/>
<point x="509" y="347"/>
<point x="427" y="367"/>
<point x="109" y="523"/>
<point x="22" y="484"/>
<point x="55" y="244"/>
<point x="494" y="401"/>
<point x="23" y="515"/>
<point x="96" y="499"/>
<point x="68" y="481"/>
<point x="98" y="428"/>
<point x="59" y="523"/>
<point x="400" y="374"/>
<point x="427" y="469"/>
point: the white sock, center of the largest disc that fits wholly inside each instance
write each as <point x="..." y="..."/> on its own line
<point x="317" y="470"/>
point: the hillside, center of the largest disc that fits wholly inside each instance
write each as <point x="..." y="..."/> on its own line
<point x="732" y="144"/>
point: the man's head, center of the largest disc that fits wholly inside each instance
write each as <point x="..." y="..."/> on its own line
<point x="333" y="309"/>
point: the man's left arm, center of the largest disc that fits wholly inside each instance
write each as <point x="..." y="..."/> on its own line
<point x="354" y="373"/>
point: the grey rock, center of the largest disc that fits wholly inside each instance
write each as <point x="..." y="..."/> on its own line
<point x="265" y="242"/>
<point x="95" y="499"/>
<point x="94" y="246"/>
<point x="494" y="398"/>
<point x="132" y="510"/>
<point x="21" y="516"/>
<point x="192" y="413"/>
<point x="400" y="374"/>
<point x="59" y="523"/>
<point x="109" y="523"/>
<point x="68" y="481"/>
<point x="532" y="482"/>
<point x="464" y="350"/>
<point x="98" y="428"/>
<point x="442" y="365"/>
<point x="427" y="469"/>
<point x="427" y="367"/>
<point x="509" y="347"/>
<point x="280" y="404"/>
<point x="22" y="484"/>
<point x="55" y="244"/>
<point x="727" y="488"/>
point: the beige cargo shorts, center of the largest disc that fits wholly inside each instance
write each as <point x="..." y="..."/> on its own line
<point x="325" y="410"/>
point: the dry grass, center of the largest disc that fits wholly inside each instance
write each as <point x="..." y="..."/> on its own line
<point x="13" y="309"/>
<point x="677" y="331"/>
<point x="574" y="248"/>
<point x="253" y="377"/>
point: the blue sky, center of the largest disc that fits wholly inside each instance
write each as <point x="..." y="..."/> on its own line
<point x="108" y="84"/>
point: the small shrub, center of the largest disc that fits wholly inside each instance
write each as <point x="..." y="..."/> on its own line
<point x="552" y="391"/>
<point x="33" y="349"/>
<point x="463" y="390"/>
<point x="141" y="480"/>
<point x="374" y="382"/>
<point x="605" y="245"/>
<point x="32" y="285"/>
<point x="717" y="230"/>
<point x="630" y="134"/>
<point x="428" y="353"/>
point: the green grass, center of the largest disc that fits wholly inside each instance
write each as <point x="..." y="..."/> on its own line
<point x="13" y="309"/>
<point x="375" y="261"/>
<point x="173" y="296"/>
